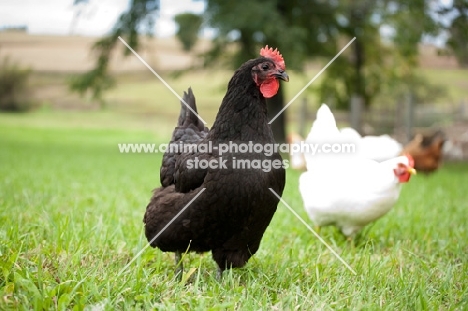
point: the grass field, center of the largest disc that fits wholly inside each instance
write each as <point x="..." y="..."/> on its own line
<point x="71" y="209"/>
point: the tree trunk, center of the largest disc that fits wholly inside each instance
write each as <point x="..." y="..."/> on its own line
<point x="358" y="15"/>
<point x="358" y="66"/>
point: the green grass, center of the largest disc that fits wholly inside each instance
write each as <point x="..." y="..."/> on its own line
<point x="147" y="94"/>
<point x="455" y="82"/>
<point x="71" y="211"/>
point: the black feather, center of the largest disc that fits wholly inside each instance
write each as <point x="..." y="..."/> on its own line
<point x="189" y="130"/>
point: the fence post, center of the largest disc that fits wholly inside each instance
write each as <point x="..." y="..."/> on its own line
<point x="356" y="113"/>
<point x="409" y="116"/>
<point x="303" y="117"/>
<point x="397" y="115"/>
<point x="460" y="114"/>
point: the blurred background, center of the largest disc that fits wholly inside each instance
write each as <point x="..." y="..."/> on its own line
<point x="62" y="64"/>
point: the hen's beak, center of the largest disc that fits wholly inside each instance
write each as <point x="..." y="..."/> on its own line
<point x="412" y="171"/>
<point x="281" y="74"/>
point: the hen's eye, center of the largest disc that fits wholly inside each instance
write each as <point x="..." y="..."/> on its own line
<point x="265" y="67"/>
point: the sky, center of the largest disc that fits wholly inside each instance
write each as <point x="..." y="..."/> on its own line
<point x="55" y="16"/>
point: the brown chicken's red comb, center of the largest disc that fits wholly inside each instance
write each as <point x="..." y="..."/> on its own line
<point x="274" y="55"/>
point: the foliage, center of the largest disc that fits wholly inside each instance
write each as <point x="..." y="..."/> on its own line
<point x="300" y="29"/>
<point x="97" y="79"/>
<point x="189" y="27"/>
<point x="457" y="42"/>
<point x="138" y="19"/>
<point x="296" y="28"/>
<point x="402" y="79"/>
<point x="15" y="91"/>
<point x="375" y="60"/>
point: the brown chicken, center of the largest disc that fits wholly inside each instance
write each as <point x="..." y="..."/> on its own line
<point x="426" y="151"/>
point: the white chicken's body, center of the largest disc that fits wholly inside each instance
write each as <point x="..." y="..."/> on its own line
<point x="346" y="190"/>
<point x="378" y="148"/>
<point x="349" y="195"/>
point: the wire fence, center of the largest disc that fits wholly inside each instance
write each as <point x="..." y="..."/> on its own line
<point x="402" y="121"/>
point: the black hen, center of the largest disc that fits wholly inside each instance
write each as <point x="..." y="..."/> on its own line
<point x="236" y="206"/>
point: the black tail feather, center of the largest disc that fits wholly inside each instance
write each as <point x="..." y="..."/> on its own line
<point x="187" y="116"/>
<point x="190" y="129"/>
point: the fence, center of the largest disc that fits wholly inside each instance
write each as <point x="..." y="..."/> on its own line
<point x="402" y="121"/>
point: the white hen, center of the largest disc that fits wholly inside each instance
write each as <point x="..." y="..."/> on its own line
<point x="348" y="191"/>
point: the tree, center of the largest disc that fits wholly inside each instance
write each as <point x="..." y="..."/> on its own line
<point x="297" y="28"/>
<point x="457" y="41"/>
<point x="301" y="30"/>
<point x="138" y="19"/>
<point x="189" y="27"/>
<point x="375" y="60"/>
<point x="350" y="75"/>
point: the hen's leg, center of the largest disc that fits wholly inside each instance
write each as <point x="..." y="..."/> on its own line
<point x="179" y="266"/>
<point x="219" y="274"/>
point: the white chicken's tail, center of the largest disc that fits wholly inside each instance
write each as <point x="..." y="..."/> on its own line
<point x="324" y="122"/>
<point x="323" y="131"/>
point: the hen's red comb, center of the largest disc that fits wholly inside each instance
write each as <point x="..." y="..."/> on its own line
<point x="274" y="55"/>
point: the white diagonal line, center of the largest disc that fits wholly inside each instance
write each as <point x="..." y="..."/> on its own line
<point x="313" y="231"/>
<point x="162" y="230"/>
<point x="311" y="81"/>
<point x="160" y="78"/>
